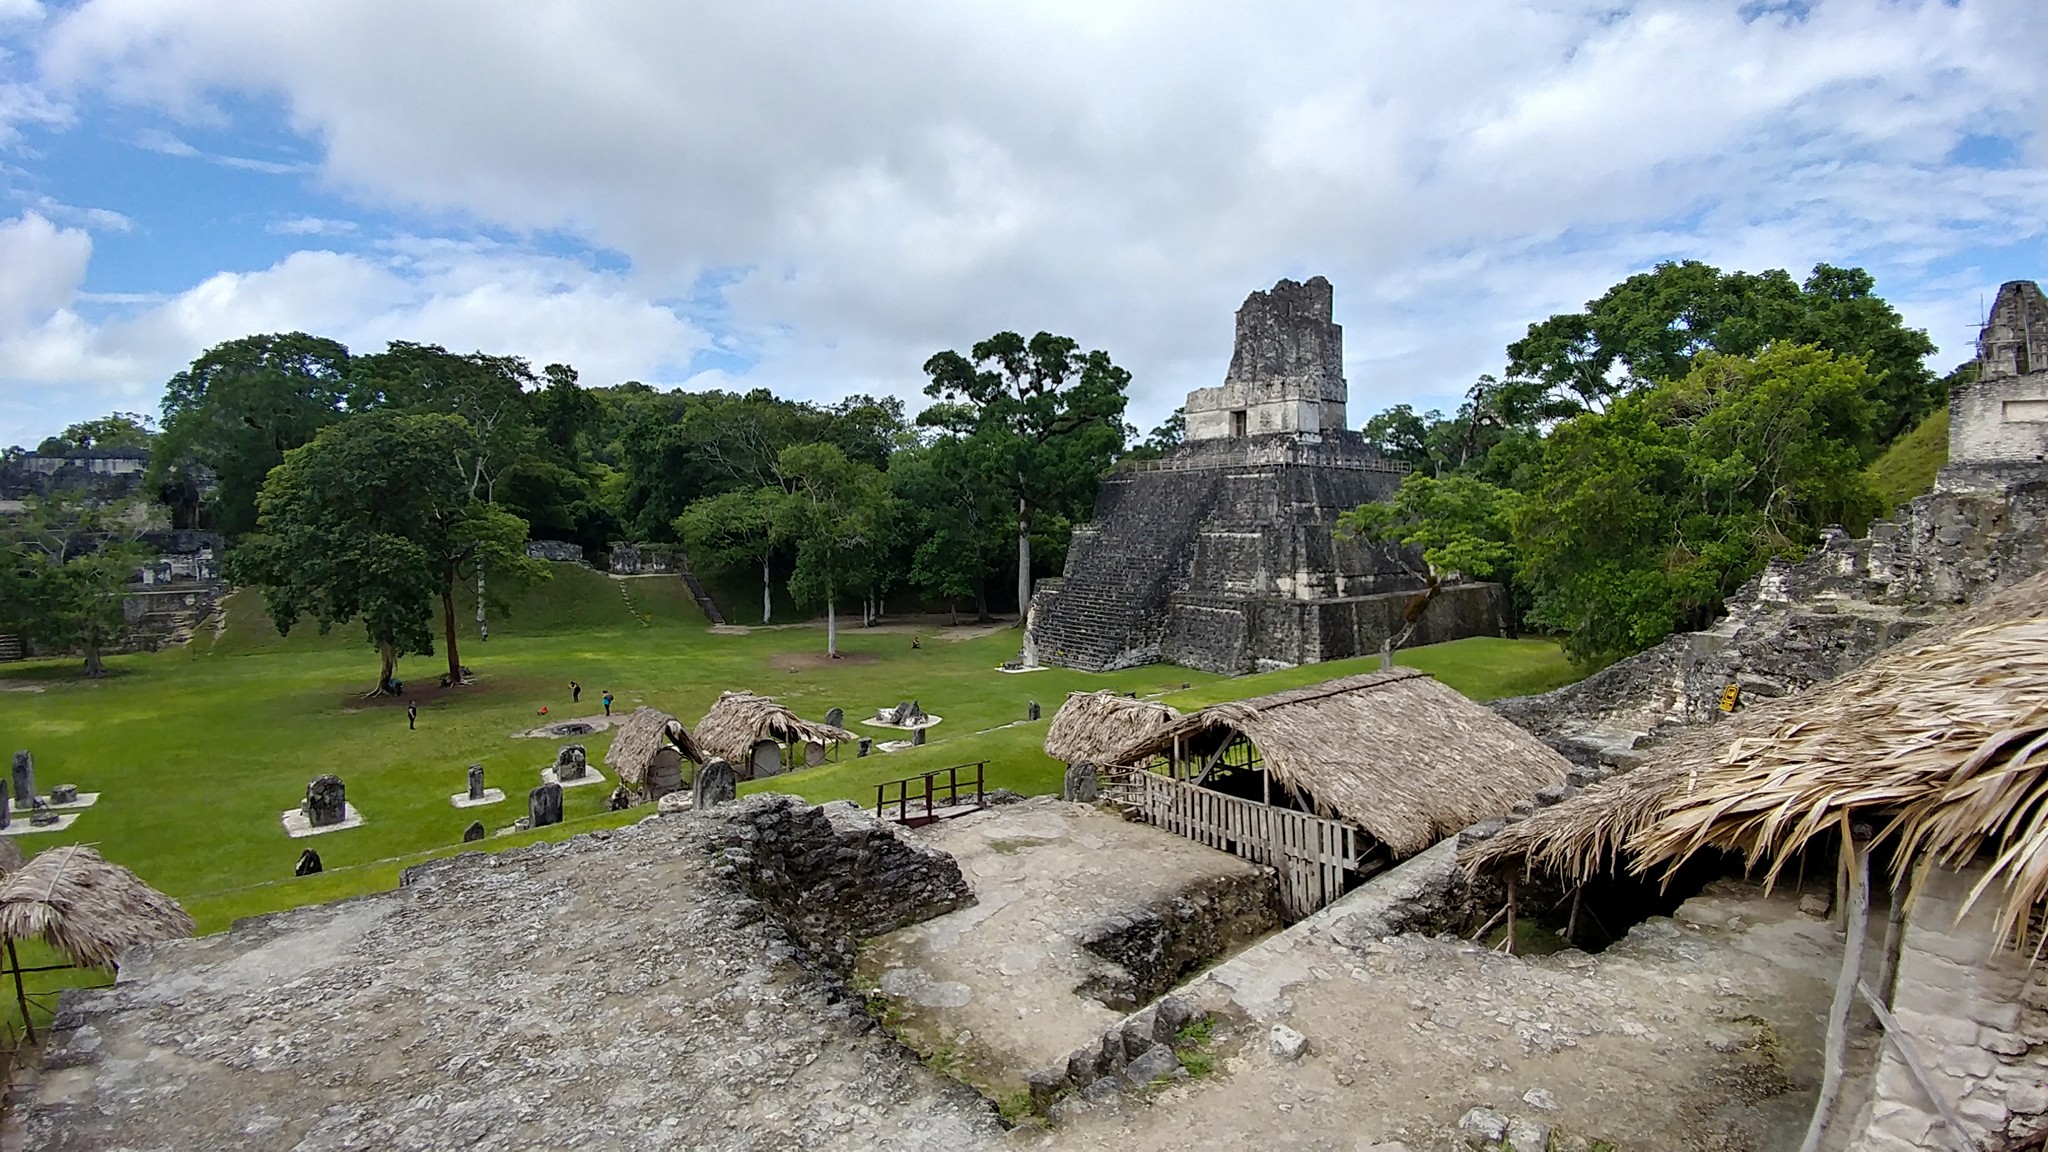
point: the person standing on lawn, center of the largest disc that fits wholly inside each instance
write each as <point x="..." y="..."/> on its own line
<point x="412" y="714"/>
<point x="607" y="702"/>
<point x="575" y="692"/>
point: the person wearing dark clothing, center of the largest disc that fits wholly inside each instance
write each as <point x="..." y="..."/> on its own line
<point x="412" y="714"/>
<point x="575" y="692"/>
<point x="607" y="703"/>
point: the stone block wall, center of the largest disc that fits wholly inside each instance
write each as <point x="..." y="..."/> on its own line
<point x="1255" y="633"/>
<point x="1977" y="1017"/>
<point x="560" y="550"/>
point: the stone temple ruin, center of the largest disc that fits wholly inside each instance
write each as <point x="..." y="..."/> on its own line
<point x="1222" y="555"/>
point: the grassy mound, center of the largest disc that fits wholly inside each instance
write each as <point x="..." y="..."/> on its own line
<point x="1907" y="467"/>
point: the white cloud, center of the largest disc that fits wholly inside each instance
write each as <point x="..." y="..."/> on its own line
<point x="57" y="365"/>
<point x="310" y="226"/>
<point x="886" y="179"/>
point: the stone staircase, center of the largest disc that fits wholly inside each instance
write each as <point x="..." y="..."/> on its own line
<point x="1109" y="609"/>
<point x="701" y="595"/>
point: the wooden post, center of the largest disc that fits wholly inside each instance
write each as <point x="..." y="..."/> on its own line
<point x="1510" y="941"/>
<point x="1857" y="867"/>
<point x="20" y="992"/>
<point x="1571" y="925"/>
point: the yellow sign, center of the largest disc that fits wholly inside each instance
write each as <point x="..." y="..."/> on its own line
<point x="1729" y="696"/>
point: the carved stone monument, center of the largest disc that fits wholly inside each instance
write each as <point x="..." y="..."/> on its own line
<point x="476" y="781"/>
<point x="867" y="745"/>
<point x="1031" y="710"/>
<point x="715" y="785"/>
<point x="570" y="763"/>
<point x="64" y="794"/>
<point x="42" y="815"/>
<point x="24" y="778"/>
<point x="620" y="800"/>
<point x="917" y="737"/>
<point x="1080" y="785"/>
<point x="544" y="806"/>
<point x="326" y="801"/>
<point x="6" y="814"/>
<point x="474" y="832"/>
<point x="309" y="863"/>
<point x="664" y="775"/>
<point x="836" y="717"/>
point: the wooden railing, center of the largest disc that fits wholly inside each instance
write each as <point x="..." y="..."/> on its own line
<point x="932" y="796"/>
<point x="1311" y="854"/>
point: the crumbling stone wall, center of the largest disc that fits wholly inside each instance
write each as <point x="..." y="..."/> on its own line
<point x="1286" y="368"/>
<point x="1977" y="1016"/>
<point x="1157" y="947"/>
<point x="834" y="874"/>
<point x="1798" y="624"/>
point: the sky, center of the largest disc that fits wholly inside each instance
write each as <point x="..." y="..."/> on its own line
<point x="813" y="196"/>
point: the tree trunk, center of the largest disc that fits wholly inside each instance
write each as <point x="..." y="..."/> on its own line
<point x="389" y="657"/>
<point x="767" y="592"/>
<point x="1023" y="558"/>
<point x="448" y="629"/>
<point x="483" y="626"/>
<point x="93" y="667"/>
<point x="831" y="627"/>
<point x="981" y="615"/>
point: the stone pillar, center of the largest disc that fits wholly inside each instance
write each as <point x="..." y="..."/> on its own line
<point x="1031" y="710"/>
<point x="715" y="785"/>
<point x="24" y="778"/>
<point x="1081" y="785"/>
<point x="917" y="737"/>
<point x="476" y="781"/>
<point x="544" y="806"/>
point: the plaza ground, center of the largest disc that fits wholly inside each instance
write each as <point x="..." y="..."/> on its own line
<point x="196" y="750"/>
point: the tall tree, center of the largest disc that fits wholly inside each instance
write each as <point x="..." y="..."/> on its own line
<point x="374" y="520"/>
<point x="833" y="512"/>
<point x="115" y="430"/>
<point x="230" y="418"/>
<point x="1052" y="414"/>
<point x="741" y="528"/>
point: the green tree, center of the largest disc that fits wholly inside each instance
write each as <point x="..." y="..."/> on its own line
<point x="1649" y="327"/>
<point x="67" y="567"/>
<point x="116" y="430"/>
<point x="232" y="415"/>
<point x="1644" y="518"/>
<point x="1051" y="414"/>
<point x="738" y="529"/>
<point x="833" y="512"/>
<point x="375" y="520"/>
<point x="956" y="515"/>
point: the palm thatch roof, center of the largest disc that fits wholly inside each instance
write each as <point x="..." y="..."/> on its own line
<point x="1942" y="743"/>
<point x="644" y="736"/>
<point x="85" y="907"/>
<point x="739" y="719"/>
<point x="1093" y="726"/>
<point x="1395" y="753"/>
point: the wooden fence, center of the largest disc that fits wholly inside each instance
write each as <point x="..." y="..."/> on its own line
<point x="1311" y="854"/>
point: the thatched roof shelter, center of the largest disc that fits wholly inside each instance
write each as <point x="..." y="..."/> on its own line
<point x="646" y="735"/>
<point x="739" y="719"/>
<point x="85" y="907"/>
<point x="1395" y="753"/>
<point x="1093" y="726"/>
<point x="1940" y="744"/>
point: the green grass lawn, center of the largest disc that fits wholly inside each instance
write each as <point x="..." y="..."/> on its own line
<point x="1906" y="468"/>
<point x="196" y="751"/>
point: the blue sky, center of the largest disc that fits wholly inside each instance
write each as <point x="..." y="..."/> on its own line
<point x="815" y="197"/>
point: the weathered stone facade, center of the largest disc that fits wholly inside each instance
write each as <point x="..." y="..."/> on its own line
<point x="1976" y="1015"/>
<point x="1998" y="425"/>
<point x="1286" y="369"/>
<point x="1223" y="555"/>
<point x="560" y="550"/>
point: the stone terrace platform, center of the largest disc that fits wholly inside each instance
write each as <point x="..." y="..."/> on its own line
<point x="616" y="991"/>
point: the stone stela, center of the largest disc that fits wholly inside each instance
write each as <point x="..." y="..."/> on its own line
<point x="1222" y="555"/>
<point x="477" y="795"/>
<point x="325" y="809"/>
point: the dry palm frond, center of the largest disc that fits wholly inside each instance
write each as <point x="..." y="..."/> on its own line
<point x="731" y="728"/>
<point x="647" y="735"/>
<point x="87" y="908"/>
<point x="1094" y="726"/>
<point x="1396" y="753"/>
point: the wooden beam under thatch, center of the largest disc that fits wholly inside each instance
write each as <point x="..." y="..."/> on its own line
<point x="1395" y="753"/>
<point x="86" y="907"/>
<point x="647" y="734"/>
<point x="1942" y="741"/>
<point x="1094" y="726"/>
<point x="739" y="719"/>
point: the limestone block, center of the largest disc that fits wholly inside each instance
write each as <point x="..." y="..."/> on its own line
<point x="1483" y="1127"/>
<point x="1156" y="1062"/>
